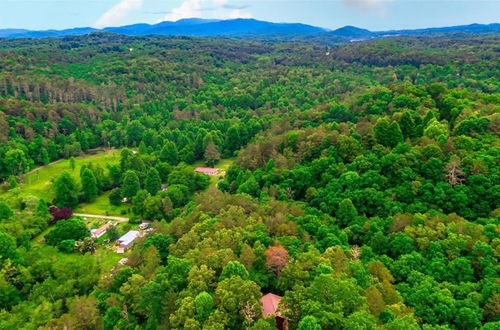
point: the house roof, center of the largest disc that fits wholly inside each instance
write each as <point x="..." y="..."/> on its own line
<point x="206" y="170"/>
<point x="101" y="230"/>
<point x="129" y="237"/>
<point x="270" y="304"/>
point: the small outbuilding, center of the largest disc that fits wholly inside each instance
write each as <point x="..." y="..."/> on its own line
<point x="96" y="233"/>
<point x="270" y="303"/>
<point x="127" y="240"/>
<point x="207" y="170"/>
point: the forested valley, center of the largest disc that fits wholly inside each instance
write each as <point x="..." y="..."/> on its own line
<point x="362" y="183"/>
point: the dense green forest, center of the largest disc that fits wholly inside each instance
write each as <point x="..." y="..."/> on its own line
<point x="364" y="184"/>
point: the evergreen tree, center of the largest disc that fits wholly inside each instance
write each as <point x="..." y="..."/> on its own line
<point x="346" y="212"/>
<point x="169" y="153"/>
<point x="212" y="155"/>
<point x="42" y="209"/>
<point x="407" y="125"/>
<point x="131" y="185"/>
<point x="66" y="190"/>
<point x="153" y="181"/>
<point x="115" y="197"/>
<point x="89" y="185"/>
<point x="388" y="134"/>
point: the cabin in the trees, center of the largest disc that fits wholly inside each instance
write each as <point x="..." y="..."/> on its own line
<point x="207" y="170"/>
<point x="96" y="233"/>
<point x="270" y="303"/>
<point x="127" y="240"/>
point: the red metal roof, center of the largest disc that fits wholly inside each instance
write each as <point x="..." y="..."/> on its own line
<point x="270" y="304"/>
<point x="102" y="229"/>
<point x="206" y="170"/>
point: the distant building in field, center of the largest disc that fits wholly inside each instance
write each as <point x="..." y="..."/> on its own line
<point x="127" y="240"/>
<point x="207" y="170"/>
<point x="96" y="233"/>
<point x="270" y="303"/>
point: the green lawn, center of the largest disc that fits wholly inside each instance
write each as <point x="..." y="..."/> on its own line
<point x="223" y="165"/>
<point x="39" y="181"/>
<point x="102" y="206"/>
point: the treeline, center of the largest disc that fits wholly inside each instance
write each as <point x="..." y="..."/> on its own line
<point x="52" y="108"/>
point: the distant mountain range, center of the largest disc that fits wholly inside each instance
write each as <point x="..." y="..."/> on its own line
<point x="246" y="28"/>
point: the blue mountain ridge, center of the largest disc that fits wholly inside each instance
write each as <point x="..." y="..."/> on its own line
<point x="245" y="27"/>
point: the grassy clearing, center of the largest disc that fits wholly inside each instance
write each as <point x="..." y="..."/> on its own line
<point x="39" y="181"/>
<point x="223" y="165"/>
<point x="106" y="258"/>
<point x="102" y="206"/>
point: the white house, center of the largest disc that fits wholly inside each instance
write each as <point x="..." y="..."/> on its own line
<point x="127" y="240"/>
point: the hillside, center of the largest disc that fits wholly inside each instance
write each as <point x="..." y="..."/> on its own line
<point x="357" y="184"/>
<point x="251" y="28"/>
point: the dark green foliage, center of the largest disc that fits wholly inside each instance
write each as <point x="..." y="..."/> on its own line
<point x="346" y="212"/>
<point x="89" y="185"/>
<point x="388" y="134"/>
<point x="67" y="245"/>
<point x="7" y="246"/>
<point x="382" y="192"/>
<point x="130" y="185"/>
<point x="13" y="183"/>
<point x="169" y="153"/>
<point x="72" y="229"/>
<point x="112" y="233"/>
<point x="66" y="190"/>
<point x="5" y="210"/>
<point x="161" y="242"/>
<point x="115" y="197"/>
<point x="153" y="182"/>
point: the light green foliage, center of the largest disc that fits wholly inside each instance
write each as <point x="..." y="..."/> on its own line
<point x="204" y="306"/>
<point x="309" y="323"/>
<point x="234" y="268"/>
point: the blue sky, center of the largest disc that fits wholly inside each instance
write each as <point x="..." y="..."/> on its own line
<point x="371" y="14"/>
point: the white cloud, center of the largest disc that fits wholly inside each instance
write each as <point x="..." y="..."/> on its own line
<point x="374" y="6"/>
<point x="188" y="9"/>
<point x="220" y="9"/>
<point x="117" y="13"/>
<point x="238" y="13"/>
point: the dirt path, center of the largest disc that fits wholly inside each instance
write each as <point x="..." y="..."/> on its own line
<point x="89" y="152"/>
<point x="107" y="217"/>
<point x="44" y="166"/>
